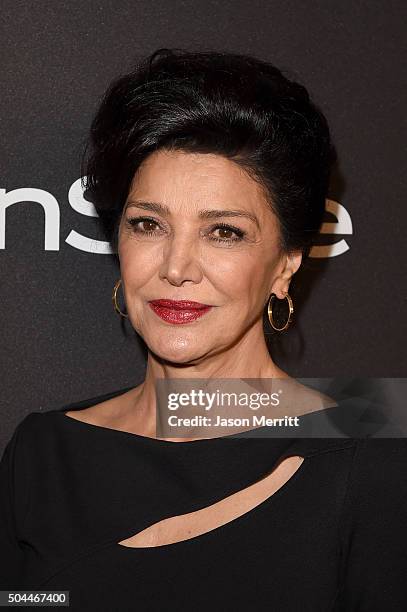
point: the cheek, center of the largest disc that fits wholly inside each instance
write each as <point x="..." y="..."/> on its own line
<point x="137" y="264"/>
<point x="243" y="278"/>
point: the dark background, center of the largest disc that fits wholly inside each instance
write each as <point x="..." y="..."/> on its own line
<point x="61" y="340"/>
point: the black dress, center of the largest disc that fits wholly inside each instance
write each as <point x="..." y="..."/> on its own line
<point x="332" y="538"/>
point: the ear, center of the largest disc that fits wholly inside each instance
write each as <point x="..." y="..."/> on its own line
<point x="290" y="262"/>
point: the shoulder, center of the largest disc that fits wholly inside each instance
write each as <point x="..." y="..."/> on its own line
<point x="105" y="410"/>
<point x="42" y="434"/>
<point x="376" y="485"/>
<point x="380" y="467"/>
<point x="27" y="428"/>
<point x="97" y="409"/>
<point x="28" y="432"/>
<point x="373" y="464"/>
<point x="384" y="458"/>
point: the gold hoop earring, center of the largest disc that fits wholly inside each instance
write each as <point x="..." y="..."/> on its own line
<point x="114" y="298"/>
<point x="270" y="312"/>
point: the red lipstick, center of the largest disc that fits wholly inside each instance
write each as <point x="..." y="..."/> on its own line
<point x="179" y="311"/>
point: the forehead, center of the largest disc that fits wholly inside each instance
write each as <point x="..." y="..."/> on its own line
<point x="197" y="177"/>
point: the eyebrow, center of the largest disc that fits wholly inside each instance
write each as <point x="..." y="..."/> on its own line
<point x="162" y="209"/>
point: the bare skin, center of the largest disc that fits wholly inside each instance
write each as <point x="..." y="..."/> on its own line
<point x="180" y="259"/>
<point x="186" y="526"/>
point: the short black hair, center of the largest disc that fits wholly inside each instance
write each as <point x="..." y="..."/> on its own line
<point x="230" y="104"/>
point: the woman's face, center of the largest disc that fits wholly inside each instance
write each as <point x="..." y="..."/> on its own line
<point x="175" y="244"/>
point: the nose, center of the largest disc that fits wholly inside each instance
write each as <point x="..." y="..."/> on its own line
<point x="179" y="261"/>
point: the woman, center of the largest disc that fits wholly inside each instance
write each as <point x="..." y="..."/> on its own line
<point x="209" y="172"/>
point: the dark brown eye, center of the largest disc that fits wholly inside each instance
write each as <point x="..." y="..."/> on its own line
<point x="225" y="233"/>
<point x="228" y="234"/>
<point x="148" y="225"/>
<point x="143" y="225"/>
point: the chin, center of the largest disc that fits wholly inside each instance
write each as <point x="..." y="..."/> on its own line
<point x="177" y="350"/>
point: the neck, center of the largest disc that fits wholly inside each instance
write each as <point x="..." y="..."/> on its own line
<point x="247" y="358"/>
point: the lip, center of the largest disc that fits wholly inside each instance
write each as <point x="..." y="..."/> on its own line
<point x="179" y="311"/>
<point x="179" y="304"/>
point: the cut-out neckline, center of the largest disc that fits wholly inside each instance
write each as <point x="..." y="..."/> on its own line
<point x="234" y="523"/>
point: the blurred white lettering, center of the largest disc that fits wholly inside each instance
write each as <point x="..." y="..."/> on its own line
<point x="78" y="241"/>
